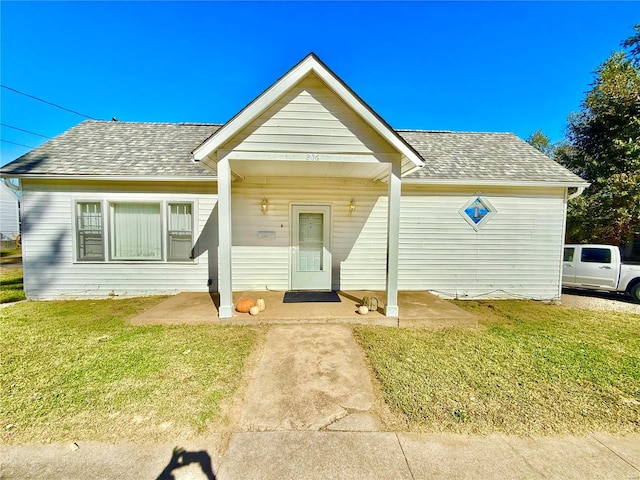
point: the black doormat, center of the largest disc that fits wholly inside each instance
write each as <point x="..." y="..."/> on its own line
<point x="310" y="297"/>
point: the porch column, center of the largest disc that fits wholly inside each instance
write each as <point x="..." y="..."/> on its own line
<point x="224" y="235"/>
<point x="393" y="232"/>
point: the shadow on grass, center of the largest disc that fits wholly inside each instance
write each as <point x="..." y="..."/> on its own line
<point x="181" y="458"/>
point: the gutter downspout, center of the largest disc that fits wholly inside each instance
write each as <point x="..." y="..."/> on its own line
<point x="577" y="193"/>
<point x="11" y="185"/>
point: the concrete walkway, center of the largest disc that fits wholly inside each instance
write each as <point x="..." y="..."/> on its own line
<point x="308" y="412"/>
<point x="309" y="377"/>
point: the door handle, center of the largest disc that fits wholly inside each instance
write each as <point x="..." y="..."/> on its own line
<point x="605" y="267"/>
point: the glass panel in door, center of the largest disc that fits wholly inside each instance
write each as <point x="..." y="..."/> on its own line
<point x="311" y="247"/>
<point x="310" y="241"/>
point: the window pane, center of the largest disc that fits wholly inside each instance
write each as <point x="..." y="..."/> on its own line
<point x="596" y="255"/>
<point x="180" y="231"/>
<point x="136" y="232"/>
<point x="568" y="254"/>
<point x="89" y="231"/>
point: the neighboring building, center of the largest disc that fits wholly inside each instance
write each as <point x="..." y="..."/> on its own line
<point x="9" y="213"/>
<point x="306" y="188"/>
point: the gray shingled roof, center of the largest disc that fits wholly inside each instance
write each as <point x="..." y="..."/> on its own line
<point x="164" y="150"/>
<point x="118" y="148"/>
<point x="485" y="157"/>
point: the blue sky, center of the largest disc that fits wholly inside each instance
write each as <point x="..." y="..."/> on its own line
<point x="465" y="66"/>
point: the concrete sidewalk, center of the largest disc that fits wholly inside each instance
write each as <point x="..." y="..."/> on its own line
<point x="337" y="455"/>
<point x="309" y="411"/>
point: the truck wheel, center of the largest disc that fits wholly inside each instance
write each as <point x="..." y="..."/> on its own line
<point x="635" y="292"/>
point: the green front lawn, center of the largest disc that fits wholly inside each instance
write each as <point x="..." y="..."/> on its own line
<point x="76" y="370"/>
<point x="11" y="289"/>
<point x="530" y="368"/>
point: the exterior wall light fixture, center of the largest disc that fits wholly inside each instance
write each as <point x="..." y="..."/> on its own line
<point x="352" y="206"/>
<point x="265" y="205"/>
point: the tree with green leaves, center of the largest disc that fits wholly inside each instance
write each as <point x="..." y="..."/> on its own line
<point x="603" y="147"/>
<point x="541" y="141"/>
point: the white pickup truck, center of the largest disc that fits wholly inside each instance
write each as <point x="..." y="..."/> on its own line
<point x="599" y="267"/>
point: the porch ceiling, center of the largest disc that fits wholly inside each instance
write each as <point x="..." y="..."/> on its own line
<point x="283" y="168"/>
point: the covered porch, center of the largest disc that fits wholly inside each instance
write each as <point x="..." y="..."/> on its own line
<point x="417" y="310"/>
<point x="311" y="127"/>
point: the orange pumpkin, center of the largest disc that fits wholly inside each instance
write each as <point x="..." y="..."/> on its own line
<point x="244" y="304"/>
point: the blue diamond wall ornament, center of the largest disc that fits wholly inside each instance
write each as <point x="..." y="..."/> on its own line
<point x="477" y="211"/>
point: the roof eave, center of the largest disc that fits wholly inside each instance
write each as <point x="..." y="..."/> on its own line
<point x="127" y="178"/>
<point x="497" y="183"/>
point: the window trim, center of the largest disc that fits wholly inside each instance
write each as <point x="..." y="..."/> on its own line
<point x="491" y="211"/>
<point x="76" y="231"/>
<point x="105" y="206"/>
<point x="168" y="204"/>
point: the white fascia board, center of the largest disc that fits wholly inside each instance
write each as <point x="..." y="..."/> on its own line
<point x="498" y="183"/>
<point x="365" y="112"/>
<point x="253" y="110"/>
<point x="127" y="178"/>
<point x="288" y="81"/>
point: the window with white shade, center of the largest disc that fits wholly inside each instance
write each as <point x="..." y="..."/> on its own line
<point x="136" y="231"/>
<point x="179" y="229"/>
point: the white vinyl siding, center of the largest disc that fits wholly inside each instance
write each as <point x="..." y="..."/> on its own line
<point x="517" y="253"/>
<point x="52" y="270"/>
<point x="9" y="218"/>
<point x="310" y="118"/>
<point x="261" y="242"/>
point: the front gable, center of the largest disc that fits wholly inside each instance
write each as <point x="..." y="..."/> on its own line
<point x="309" y="115"/>
<point x="310" y="118"/>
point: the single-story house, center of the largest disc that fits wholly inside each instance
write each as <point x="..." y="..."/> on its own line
<point x="9" y="213"/>
<point x="306" y="188"/>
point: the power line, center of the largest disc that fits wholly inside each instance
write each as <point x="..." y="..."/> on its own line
<point x="23" y="130"/>
<point x="14" y="143"/>
<point x="48" y="103"/>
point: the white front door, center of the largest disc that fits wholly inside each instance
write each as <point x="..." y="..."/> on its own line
<point x="311" y="247"/>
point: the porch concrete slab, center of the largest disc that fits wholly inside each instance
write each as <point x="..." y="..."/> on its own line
<point x="313" y="455"/>
<point x="417" y="310"/>
<point x="277" y="312"/>
<point x="187" y="308"/>
<point x="308" y="377"/>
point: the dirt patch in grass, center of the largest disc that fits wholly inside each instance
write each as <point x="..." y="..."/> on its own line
<point x="76" y="370"/>
<point x="529" y="369"/>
